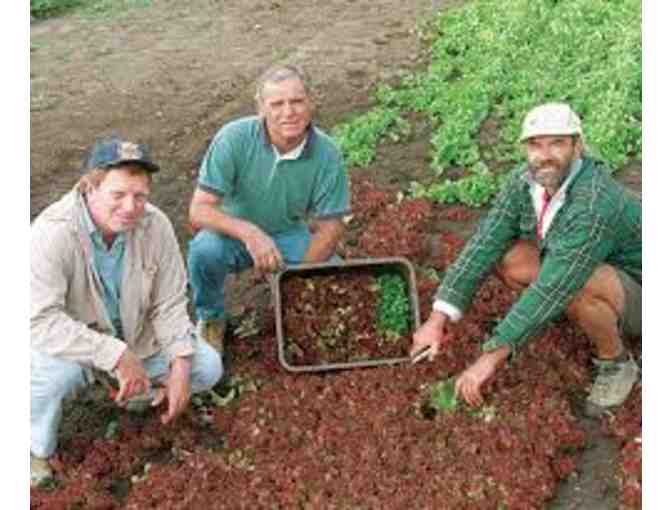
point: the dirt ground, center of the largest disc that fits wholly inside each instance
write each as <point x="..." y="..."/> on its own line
<point x="171" y="74"/>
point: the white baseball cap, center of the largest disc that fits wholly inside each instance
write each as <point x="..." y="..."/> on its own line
<point x="551" y="119"/>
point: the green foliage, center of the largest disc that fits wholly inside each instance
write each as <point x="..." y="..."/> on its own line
<point x="47" y="8"/>
<point x="359" y="138"/>
<point x="95" y="8"/>
<point x="112" y="8"/>
<point x="474" y="190"/>
<point x="496" y="60"/>
<point x="394" y="310"/>
<point x="443" y="397"/>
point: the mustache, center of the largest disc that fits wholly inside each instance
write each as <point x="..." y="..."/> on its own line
<point x="543" y="163"/>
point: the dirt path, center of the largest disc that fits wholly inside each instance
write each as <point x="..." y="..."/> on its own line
<point x="173" y="73"/>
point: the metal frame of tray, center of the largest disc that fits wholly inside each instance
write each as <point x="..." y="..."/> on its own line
<point x="400" y="263"/>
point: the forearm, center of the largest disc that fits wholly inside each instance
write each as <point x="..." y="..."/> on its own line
<point x="210" y="217"/>
<point x="438" y="319"/>
<point x="499" y="355"/>
<point x="182" y="365"/>
<point x="324" y="241"/>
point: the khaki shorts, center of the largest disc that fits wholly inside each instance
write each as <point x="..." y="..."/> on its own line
<point x="631" y="322"/>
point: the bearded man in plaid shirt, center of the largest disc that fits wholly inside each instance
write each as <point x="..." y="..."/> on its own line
<point x="567" y="235"/>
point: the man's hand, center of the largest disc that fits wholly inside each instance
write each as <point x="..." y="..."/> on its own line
<point x="133" y="378"/>
<point x="469" y="383"/>
<point x="177" y="390"/>
<point x="205" y="213"/>
<point x="265" y="254"/>
<point x="429" y="335"/>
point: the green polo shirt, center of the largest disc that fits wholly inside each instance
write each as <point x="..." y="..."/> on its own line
<point x="600" y="222"/>
<point x="278" y="195"/>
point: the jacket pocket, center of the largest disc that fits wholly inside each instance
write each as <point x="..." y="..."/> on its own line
<point x="148" y="277"/>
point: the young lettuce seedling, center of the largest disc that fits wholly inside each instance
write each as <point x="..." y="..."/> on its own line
<point x="443" y="397"/>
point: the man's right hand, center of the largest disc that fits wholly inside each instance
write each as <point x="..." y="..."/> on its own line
<point x="265" y="254"/>
<point x="205" y="213"/>
<point x="133" y="378"/>
<point x="429" y="335"/>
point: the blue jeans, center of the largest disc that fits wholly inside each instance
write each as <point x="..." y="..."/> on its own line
<point x="212" y="256"/>
<point x="53" y="379"/>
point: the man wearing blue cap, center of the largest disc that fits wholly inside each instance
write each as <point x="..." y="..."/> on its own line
<point x="108" y="296"/>
<point x="567" y="235"/>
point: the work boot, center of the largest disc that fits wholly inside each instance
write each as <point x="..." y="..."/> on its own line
<point x="40" y="471"/>
<point x="213" y="332"/>
<point x="613" y="383"/>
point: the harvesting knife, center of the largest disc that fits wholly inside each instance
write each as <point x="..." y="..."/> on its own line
<point x="424" y="353"/>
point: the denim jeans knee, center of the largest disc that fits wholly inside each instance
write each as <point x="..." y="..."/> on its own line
<point x="211" y="258"/>
<point x="51" y="380"/>
<point x="207" y="368"/>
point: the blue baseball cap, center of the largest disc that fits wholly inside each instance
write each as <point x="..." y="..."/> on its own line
<point x="113" y="152"/>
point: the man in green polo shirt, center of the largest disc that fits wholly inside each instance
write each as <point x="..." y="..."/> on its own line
<point x="569" y="237"/>
<point x="272" y="190"/>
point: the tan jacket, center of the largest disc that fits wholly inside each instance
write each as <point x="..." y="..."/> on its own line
<point x="68" y="318"/>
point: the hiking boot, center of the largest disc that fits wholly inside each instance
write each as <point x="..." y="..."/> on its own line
<point x="613" y="383"/>
<point x="213" y="332"/>
<point x="40" y="471"/>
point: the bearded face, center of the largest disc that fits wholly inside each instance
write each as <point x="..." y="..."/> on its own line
<point x="550" y="159"/>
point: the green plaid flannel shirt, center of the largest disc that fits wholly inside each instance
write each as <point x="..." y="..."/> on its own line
<point x="600" y="222"/>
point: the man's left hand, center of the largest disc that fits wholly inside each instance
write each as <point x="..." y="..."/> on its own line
<point x="177" y="390"/>
<point x="470" y="382"/>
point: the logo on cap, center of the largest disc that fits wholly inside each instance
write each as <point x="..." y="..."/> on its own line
<point x="129" y="151"/>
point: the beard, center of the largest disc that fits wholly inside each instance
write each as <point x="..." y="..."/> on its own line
<point x="550" y="173"/>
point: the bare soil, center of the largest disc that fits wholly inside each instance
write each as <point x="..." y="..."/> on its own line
<point x="171" y="75"/>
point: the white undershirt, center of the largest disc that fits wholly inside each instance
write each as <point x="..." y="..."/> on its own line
<point x="293" y="154"/>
